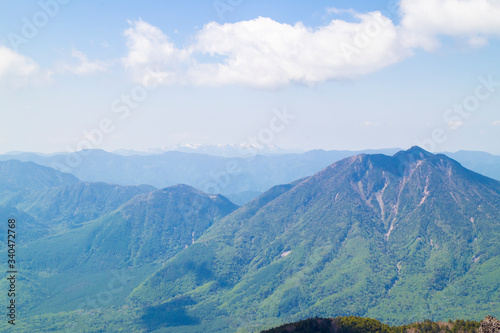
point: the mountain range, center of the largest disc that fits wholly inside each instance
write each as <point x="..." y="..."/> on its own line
<point x="398" y="238"/>
<point x="239" y="176"/>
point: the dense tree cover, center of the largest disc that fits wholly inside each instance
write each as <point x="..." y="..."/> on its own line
<point x="125" y="319"/>
<point x="353" y="324"/>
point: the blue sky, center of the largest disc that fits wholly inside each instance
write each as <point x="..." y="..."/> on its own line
<point x="349" y="75"/>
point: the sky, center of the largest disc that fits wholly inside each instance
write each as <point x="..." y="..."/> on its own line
<point x="309" y="75"/>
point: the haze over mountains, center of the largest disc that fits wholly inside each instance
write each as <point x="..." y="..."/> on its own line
<point x="241" y="175"/>
<point x="223" y="150"/>
<point x="399" y="238"/>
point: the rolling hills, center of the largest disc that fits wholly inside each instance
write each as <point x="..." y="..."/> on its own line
<point x="131" y="240"/>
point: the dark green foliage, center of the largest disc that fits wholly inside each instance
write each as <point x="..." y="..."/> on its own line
<point x="354" y="324"/>
<point x="361" y="325"/>
<point x="457" y="326"/>
<point x="169" y="314"/>
<point x="349" y="324"/>
<point x="315" y="325"/>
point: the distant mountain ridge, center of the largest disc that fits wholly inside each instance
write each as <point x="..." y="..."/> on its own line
<point x="16" y="175"/>
<point x="240" y="179"/>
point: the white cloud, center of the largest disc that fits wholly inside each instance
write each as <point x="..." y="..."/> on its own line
<point x="149" y="50"/>
<point x="17" y="70"/>
<point x="496" y="123"/>
<point x="85" y="66"/>
<point x="266" y="53"/>
<point x="424" y="20"/>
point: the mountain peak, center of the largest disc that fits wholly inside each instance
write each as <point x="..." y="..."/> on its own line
<point x="180" y="187"/>
<point x="416" y="152"/>
<point x="397" y="216"/>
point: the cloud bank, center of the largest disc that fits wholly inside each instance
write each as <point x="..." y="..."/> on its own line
<point x="265" y="53"/>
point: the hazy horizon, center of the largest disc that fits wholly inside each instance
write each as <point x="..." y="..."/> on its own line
<point x="256" y="150"/>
